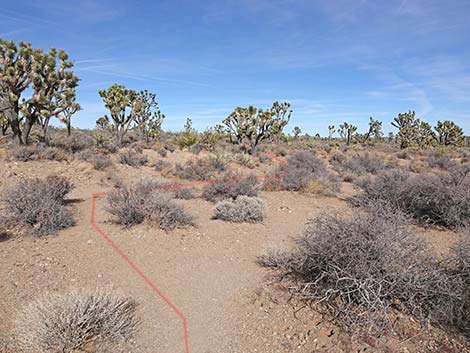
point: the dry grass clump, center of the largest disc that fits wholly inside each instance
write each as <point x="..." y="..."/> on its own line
<point x="361" y="269"/>
<point x="242" y="209"/>
<point x="301" y="169"/>
<point x="230" y="186"/>
<point x="133" y="158"/>
<point x="432" y="198"/>
<point x="147" y="200"/>
<point x="39" y="204"/>
<point x="80" y="320"/>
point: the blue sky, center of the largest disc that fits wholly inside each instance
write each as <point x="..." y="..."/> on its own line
<point x="333" y="60"/>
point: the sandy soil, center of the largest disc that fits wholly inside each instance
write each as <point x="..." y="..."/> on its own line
<point x="209" y="272"/>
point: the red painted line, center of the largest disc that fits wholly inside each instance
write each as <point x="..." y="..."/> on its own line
<point x="136" y="269"/>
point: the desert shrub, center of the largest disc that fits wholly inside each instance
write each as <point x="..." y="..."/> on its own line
<point x="162" y="152"/>
<point x="101" y="162"/>
<point x="230" y="186"/>
<point x="40" y="204"/>
<point x="133" y="158"/>
<point x="196" y="169"/>
<point x="85" y="320"/>
<point x="196" y="149"/>
<point x="442" y="199"/>
<point x="218" y="161"/>
<point x="184" y="194"/>
<point x="242" y="209"/>
<point x="37" y="152"/>
<point x="360" y="164"/>
<point x="244" y="159"/>
<point x="301" y="169"/>
<point x="361" y="269"/>
<point x="161" y="165"/>
<point x="147" y="200"/>
<point x="441" y="161"/>
<point x="170" y="147"/>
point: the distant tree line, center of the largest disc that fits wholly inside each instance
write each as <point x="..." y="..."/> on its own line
<point x="37" y="86"/>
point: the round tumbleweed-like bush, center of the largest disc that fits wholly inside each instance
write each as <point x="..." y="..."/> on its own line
<point x="242" y="209"/>
<point x="89" y="320"/>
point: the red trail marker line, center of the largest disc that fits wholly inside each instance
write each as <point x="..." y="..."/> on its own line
<point x="136" y="269"/>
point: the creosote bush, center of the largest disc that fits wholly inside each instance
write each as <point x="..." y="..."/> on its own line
<point x="230" y="186"/>
<point x="361" y="269"/>
<point x="433" y="198"/>
<point x="147" y="200"/>
<point x="39" y="204"/>
<point x="242" y="209"/>
<point x="80" y="320"/>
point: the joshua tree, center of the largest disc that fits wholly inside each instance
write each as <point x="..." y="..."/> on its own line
<point x="121" y="103"/>
<point x="375" y="130"/>
<point x="407" y="125"/>
<point x="346" y="131"/>
<point x="66" y="116"/>
<point x="148" y="117"/>
<point x="449" y="133"/>
<point x="252" y="125"/>
<point x="49" y="78"/>
<point x="296" y="131"/>
<point x="331" y="131"/>
<point x="412" y="132"/>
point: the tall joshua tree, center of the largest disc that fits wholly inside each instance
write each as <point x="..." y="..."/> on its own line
<point x="252" y="125"/>
<point x="122" y="107"/>
<point x="346" y="131"/>
<point x="46" y="74"/>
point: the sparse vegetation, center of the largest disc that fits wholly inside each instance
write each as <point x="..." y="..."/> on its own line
<point x="85" y="320"/>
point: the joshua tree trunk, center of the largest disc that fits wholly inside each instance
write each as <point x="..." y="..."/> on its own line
<point x="13" y="117"/>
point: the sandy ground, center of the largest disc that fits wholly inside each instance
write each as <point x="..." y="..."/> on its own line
<point x="209" y="272"/>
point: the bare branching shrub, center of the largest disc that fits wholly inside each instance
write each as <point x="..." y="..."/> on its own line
<point x="441" y="161"/>
<point x="230" y="186"/>
<point x="301" y="169"/>
<point x="359" y="165"/>
<point x="196" y="169"/>
<point x="80" y="320"/>
<point x="242" y="209"/>
<point x="39" y="204"/>
<point x="442" y="199"/>
<point x="147" y="200"/>
<point x="133" y="158"/>
<point x="361" y="269"/>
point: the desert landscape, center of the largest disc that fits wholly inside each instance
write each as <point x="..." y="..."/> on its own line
<point x="128" y="224"/>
